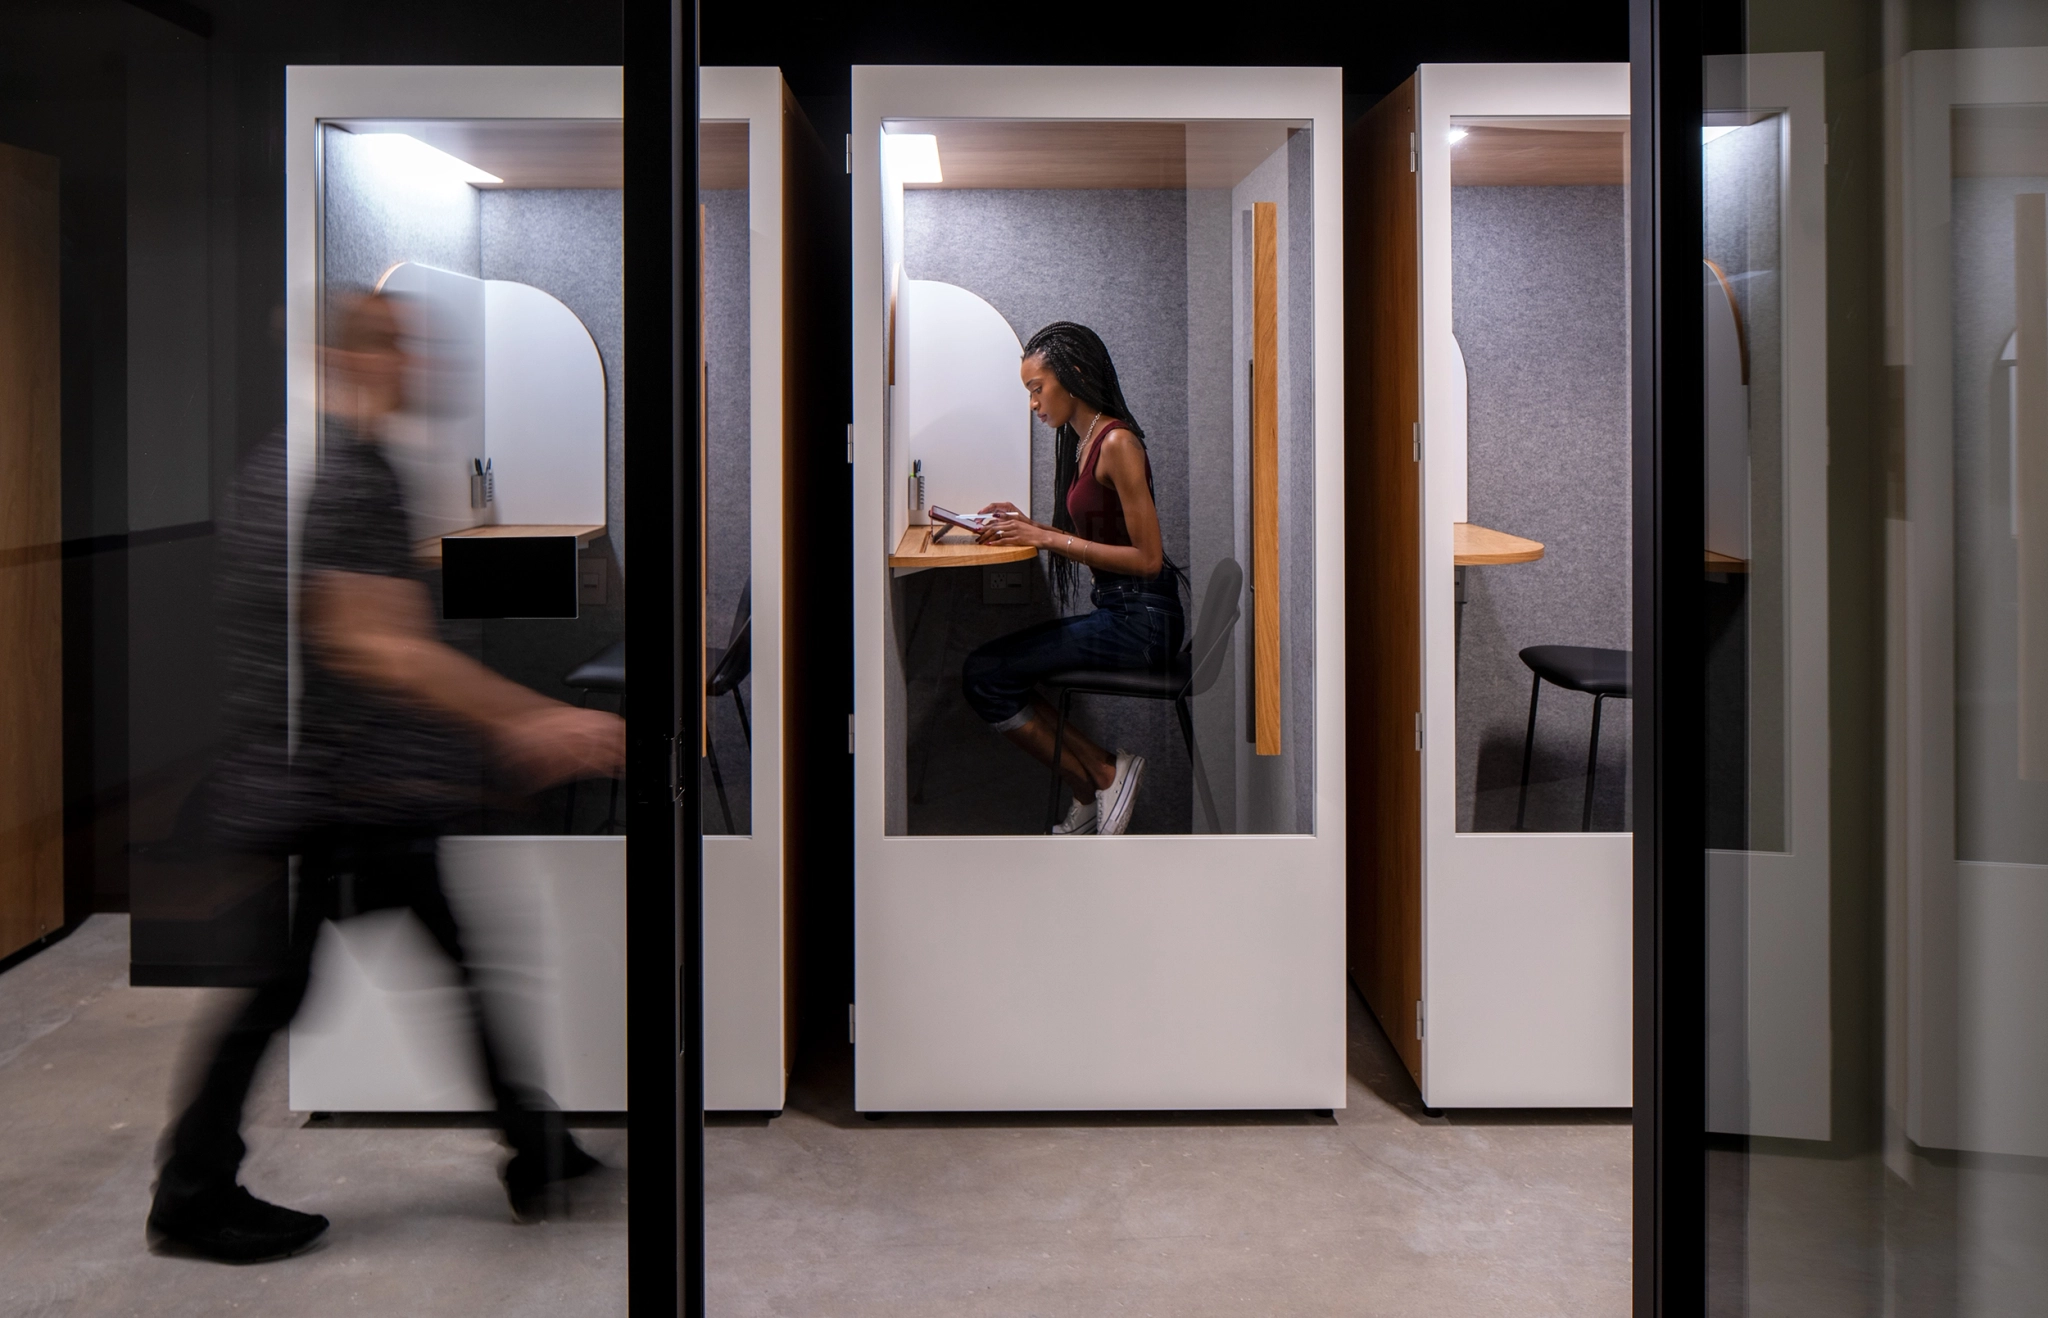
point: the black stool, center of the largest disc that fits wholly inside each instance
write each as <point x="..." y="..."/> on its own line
<point x="728" y="668"/>
<point x="1188" y="674"/>
<point x="606" y="671"/>
<point x="1598" y="673"/>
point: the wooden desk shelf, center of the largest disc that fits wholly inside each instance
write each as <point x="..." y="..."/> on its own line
<point x="429" y="551"/>
<point x="1482" y="546"/>
<point x="921" y="548"/>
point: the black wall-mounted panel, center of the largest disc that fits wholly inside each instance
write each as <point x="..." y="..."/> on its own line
<point x="508" y="576"/>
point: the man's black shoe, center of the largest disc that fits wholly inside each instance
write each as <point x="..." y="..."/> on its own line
<point x="530" y="1176"/>
<point x="229" y="1225"/>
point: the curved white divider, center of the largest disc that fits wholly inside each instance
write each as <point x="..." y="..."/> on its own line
<point x="543" y="409"/>
<point x="962" y="411"/>
<point x="510" y="375"/>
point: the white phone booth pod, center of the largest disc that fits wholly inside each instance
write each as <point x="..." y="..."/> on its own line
<point x="490" y="198"/>
<point x="1191" y="218"/>
<point x="1491" y="926"/>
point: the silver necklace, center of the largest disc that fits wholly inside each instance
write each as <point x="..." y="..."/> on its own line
<point x="1091" y="432"/>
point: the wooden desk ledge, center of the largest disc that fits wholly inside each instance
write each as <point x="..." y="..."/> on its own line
<point x="429" y="551"/>
<point x="1726" y="563"/>
<point x="1482" y="546"/>
<point x="921" y="547"/>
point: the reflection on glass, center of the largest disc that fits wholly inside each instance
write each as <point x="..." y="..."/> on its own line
<point x="1539" y="274"/>
<point x="1125" y="363"/>
<point x="728" y="771"/>
<point x="1877" y="1074"/>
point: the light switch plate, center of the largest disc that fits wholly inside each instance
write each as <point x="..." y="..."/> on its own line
<point x="590" y="579"/>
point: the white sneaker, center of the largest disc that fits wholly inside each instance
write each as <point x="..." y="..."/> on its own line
<point x="1080" y="819"/>
<point x="1113" y="803"/>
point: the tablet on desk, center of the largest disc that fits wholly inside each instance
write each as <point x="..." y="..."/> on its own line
<point x="972" y="523"/>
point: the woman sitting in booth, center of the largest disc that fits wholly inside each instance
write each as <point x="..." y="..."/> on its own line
<point x="1105" y="520"/>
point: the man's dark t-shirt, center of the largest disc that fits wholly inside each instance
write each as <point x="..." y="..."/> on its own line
<point x="365" y="756"/>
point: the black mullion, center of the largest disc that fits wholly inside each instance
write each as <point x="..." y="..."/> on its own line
<point x="664" y="1073"/>
<point x="1668" y="454"/>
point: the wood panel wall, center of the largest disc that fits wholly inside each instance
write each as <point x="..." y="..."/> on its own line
<point x="31" y="595"/>
<point x="1383" y="571"/>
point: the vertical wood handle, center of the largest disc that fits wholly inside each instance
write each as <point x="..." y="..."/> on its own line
<point x="1265" y="473"/>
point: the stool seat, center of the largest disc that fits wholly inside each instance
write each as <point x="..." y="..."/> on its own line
<point x="603" y="671"/>
<point x="1146" y="683"/>
<point x="1586" y="668"/>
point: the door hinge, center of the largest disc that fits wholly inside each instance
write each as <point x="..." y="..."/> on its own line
<point x="1411" y="153"/>
<point x="849" y="734"/>
<point x="675" y="768"/>
<point x="1418" y="1018"/>
<point x="1416" y="434"/>
<point x="849" y="153"/>
<point x="849" y="443"/>
<point x="1418" y="730"/>
<point x="852" y="1023"/>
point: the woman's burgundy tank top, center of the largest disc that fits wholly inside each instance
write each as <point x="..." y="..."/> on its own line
<point x="1097" y="511"/>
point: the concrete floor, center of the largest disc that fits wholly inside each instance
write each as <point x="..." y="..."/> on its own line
<point x="87" y="1067"/>
<point x="1382" y="1211"/>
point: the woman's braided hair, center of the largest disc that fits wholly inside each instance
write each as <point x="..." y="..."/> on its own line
<point x="1078" y="360"/>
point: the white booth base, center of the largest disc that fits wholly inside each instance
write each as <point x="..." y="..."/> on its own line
<point x="1030" y="983"/>
<point x="385" y="1027"/>
<point x="1527" y="970"/>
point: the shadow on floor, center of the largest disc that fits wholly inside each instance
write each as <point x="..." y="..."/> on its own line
<point x="1375" y="1065"/>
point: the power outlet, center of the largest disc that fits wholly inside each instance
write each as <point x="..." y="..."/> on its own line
<point x="1006" y="584"/>
<point x="590" y="579"/>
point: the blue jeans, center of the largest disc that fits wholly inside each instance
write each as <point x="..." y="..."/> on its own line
<point x="1135" y="625"/>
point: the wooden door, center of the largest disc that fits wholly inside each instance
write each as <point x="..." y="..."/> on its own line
<point x="31" y="599"/>
<point x="1383" y="572"/>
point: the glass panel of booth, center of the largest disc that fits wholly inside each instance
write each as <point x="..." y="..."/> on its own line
<point x="486" y="208"/>
<point x="1152" y="607"/>
<point x="1541" y="582"/>
<point x="499" y="240"/>
<point x="728" y="779"/>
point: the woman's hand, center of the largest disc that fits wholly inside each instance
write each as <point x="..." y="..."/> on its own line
<point x="1012" y="529"/>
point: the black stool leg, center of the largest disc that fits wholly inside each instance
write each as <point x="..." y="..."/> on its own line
<point x="1187" y="733"/>
<point x="1528" y="749"/>
<point x="1059" y="734"/>
<point x="746" y="727"/>
<point x="1592" y="762"/>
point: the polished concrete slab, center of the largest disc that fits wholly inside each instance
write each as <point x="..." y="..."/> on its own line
<point x="421" y="1227"/>
<point x="1379" y="1211"/>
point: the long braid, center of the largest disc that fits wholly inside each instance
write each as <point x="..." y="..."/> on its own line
<point x="1078" y="359"/>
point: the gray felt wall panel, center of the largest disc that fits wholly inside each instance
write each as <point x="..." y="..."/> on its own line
<point x="1539" y="306"/>
<point x="374" y="220"/>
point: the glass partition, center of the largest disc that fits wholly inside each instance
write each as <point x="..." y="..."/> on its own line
<point x="1539" y="291"/>
<point x="1184" y="249"/>
<point x="1875" y="304"/>
<point x="310" y="423"/>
